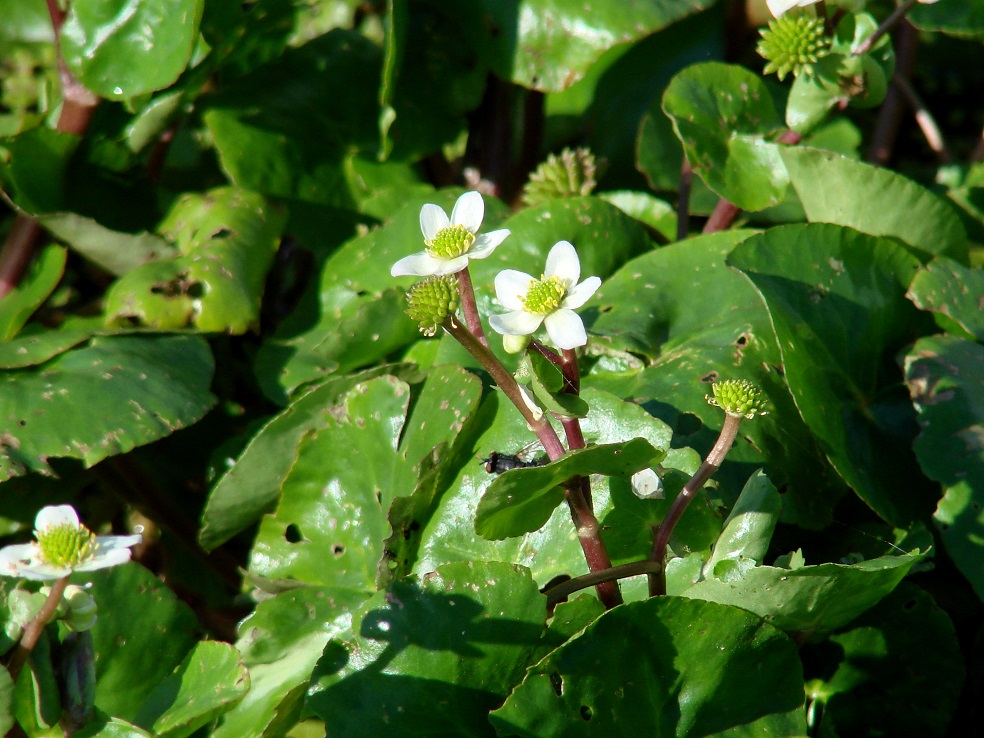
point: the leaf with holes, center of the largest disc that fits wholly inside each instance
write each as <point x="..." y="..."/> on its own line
<point x="953" y="292"/>
<point x="227" y="238"/>
<point x="102" y="399"/>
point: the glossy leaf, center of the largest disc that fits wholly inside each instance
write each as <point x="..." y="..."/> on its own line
<point x="281" y="642"/>
<point x="522" y="500"/>
<point x="960" y="19"/>
<point x="209" y="682"/>
<point x="109" y="727"/>
<point x="124" y="48"/>
<point x="747" y="531"/>
<point x="809" y="598"/>
<point x="392" y="676"/>
<point x="668" y="667"/>
<point x="227" y="239"/>
<point x="115" y="251"/>
<point x="32" y="168"/>
<point x="836" y="298"/>
<point x="548" y="46"/>
<point x="40" y="280"/>
<point x="105" y="398"/>
<point x="697" y="321"/>
<point x="944" y="374"/>
<point x="166" y="628"/>
<point x="836" y="189"/>
<point x="950" y="289"/>
<point x="864" y="691"/>
<point x="311" y="537"/>
<point x="724" y="115"/>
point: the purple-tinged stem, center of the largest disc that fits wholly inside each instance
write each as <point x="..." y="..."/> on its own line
<point x="469" y="307"/>
<point x="32" y="631"/>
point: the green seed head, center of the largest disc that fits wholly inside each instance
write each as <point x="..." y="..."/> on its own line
<point x="738" y="397"/>
<point x="545" y="295"/>
<point x="431" y="300"/>
<point x="66" y="545"/>
<point x="793" y="43"/>
<point x="572" y="174"/>
<point x="451" y="242"/>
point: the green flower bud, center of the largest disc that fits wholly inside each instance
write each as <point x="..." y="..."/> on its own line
<point x="515" y="344"/>
<point x="572" y="174"/>
<point x="431" y="300"/>
<point x="793" y="43"/>
<point x="737" y="397"/>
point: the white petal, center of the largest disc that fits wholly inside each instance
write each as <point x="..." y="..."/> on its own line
<point x="451" y="266"/>
<point x="54" y="515"/>
<point x="511" y="288"/>
<point x="420" y="264"/>
<point x="43" y="572"/>
<point x="565" y="329"/>
<point x="13" y="558"/>
<point x="582" y="293"/>
<point x="515" y="323"/>
<point x="485" y="244"/>
<point x="534" y="408"/>
<point x="111" y="543"/>
<point x="778" y="7"/>
<point x="646" y="485"/>
<point x="106" y="559"/>
<point x="469" y="211"/>
<point x="562" y="262"/>
<point x="432" y="219"/>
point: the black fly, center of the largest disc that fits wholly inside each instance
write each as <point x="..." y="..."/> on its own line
<point x="496" y="463"/>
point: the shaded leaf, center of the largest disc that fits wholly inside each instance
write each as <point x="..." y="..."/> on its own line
<point x="37" y="284"/>
<point x="945" y="375"/>
<point x="667" y="667"/>
<point x="836" y="298"/>
<point x="484" y="623"/>
<point x="950" y="289"/>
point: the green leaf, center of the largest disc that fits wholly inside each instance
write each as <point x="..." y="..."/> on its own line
<point x="33" y="166"/>
<point x="252" y="486"/>
<point x="281" y="641"/>
<point x="646" y="668"/>
<point x="124" y="48"/>
<point x="836" y="189"/>
<point x="6" y="701"/>
<point x="166" y="628"/>
<point x="522" y="500"/>
<point x="809" y="598"/>
<point x="690" y="342"/>
<point x="104" y="726"/>
<point x="547" y="46"/>
<point x="723" y="114"/>
<point x="547" y="382"/>
<point x="311" y="538"/>
<point x="952" y="290"/>
<point x="655" y="213"/>
<point x="209" y="682"/>
<point x="864" y="693"/>
<point x="944" y="374"/>
<point x="37" y="284"/>
<point x="227" y="239"/>
<point x="836" y="298"/>
<point x="960" y="19"/>
<point x="114" y="394"/>
<point x="115" y="251"/>
<point x="748" y="530"/>
<point x="288" y="128"/>
<point x="432" y="656"/>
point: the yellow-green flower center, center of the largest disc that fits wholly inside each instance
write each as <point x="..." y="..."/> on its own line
<point x="545" y="295"/>
<point x="451" y="242"/>
<point x="66" y="545"/>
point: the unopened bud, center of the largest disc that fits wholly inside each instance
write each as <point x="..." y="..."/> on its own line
<point x="738" y="397"/>
<point x="432" y="300"/>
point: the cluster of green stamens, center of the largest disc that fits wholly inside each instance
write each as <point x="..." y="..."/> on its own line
<point x="572" y="174"/>
<point x="738" y="397"/>
<point x="451" y="242"/>
<point x="432" y="300"/>
<point x="545" y="295"/>
<point x="793" y="43"/>
<point x="66" y="545"/>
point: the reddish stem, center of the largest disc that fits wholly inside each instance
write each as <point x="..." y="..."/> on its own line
<point x="32" y="631"/>
<point x="469" y="307"/>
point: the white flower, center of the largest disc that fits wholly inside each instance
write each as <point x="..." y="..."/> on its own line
<point x="549" y="300"/>
<point x="778" y="7"/>
<point x="63" y="545"/>
<point x="450" y="242"/>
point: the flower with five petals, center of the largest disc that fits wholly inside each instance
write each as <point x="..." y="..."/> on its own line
<point x="550" y="300"/>
<point x="63" y="545"/>
<point x="450" y="242"/>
